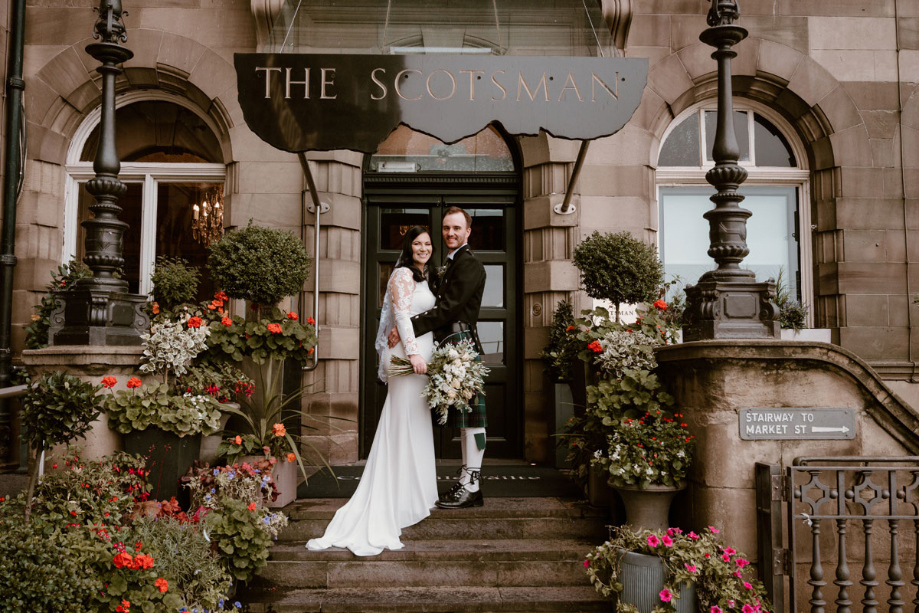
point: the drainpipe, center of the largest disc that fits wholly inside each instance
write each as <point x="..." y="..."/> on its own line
<point x="12" y="186"/>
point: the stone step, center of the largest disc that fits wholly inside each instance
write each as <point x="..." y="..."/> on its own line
<point x="435" y="563"/>
<point x="499" y="518"/>
<point x="429" y="599"/>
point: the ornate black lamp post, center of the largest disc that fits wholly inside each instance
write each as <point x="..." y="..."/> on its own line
<point x="99" y="311"/>
<point x="728" y="302"/>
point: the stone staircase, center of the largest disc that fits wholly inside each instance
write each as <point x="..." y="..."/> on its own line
<point x="513" y="554"/>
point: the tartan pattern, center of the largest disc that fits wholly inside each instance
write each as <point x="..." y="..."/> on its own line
<point x="477" y="418"/>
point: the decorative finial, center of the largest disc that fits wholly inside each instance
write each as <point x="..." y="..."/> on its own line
<point x="723" y="13"/>
<point x="109" y="26"/>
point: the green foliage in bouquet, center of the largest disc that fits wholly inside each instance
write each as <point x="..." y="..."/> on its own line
<point x="238" y="531"/>
<point x="137" y="409"/>
<point x="64" y="278"/>
<point x="174" y="282"/>
<point x="718" y="572"/>
<point x="619" y="268"/>
<point x="563" y="344"/>
<point x="257" y="264"/>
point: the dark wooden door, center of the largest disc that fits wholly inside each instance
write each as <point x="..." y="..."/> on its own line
<point x="389" y="213"/>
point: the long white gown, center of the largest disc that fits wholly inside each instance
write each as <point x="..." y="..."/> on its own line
<point x="399" y="485"/>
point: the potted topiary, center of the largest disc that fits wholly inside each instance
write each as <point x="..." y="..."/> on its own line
<point x="669" y="571"/>
<point x="174" y="283"/>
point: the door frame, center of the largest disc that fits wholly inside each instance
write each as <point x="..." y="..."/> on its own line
<point x="422" y="189"/>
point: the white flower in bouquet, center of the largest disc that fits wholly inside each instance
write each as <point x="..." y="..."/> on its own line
<point x="455" y="377"/>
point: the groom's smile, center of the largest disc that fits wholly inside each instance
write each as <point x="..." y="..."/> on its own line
<point x="455" y="231"/>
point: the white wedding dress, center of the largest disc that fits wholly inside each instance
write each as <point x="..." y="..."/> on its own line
<point x="399" y="485"/>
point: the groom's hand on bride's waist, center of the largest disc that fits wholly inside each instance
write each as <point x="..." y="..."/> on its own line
<point x="394" y="338"/>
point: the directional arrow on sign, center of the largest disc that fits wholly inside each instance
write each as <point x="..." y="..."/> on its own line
<point x="816" y="429"/>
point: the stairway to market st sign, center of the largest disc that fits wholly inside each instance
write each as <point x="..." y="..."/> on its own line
<point x="796" y="423"/>
<point x="322" y="102"/>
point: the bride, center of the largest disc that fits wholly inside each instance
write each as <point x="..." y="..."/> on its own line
<point x="399" y="483"/>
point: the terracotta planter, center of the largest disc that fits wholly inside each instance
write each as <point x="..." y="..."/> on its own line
<point x="169" y="456"/>
<point x="284" y="475"/>
<point x="648" y="508"/>
<point x="642" y="581"/>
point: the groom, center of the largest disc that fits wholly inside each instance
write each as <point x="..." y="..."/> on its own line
<point x="452" y="319"/>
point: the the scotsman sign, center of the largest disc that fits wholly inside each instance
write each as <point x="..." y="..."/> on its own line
<point x="302" y="102"/>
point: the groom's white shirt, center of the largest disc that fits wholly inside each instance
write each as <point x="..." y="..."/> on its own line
<point x="451" y="254"/>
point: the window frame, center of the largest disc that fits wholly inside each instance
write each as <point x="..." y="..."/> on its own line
<point x="799" y="178"/>
<point x="146" y="173"/>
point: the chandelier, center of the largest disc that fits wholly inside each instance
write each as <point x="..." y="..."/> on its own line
<point x="207" y="225"/>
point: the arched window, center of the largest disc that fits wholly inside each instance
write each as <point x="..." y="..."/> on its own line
<point x="171" y="162"/>
<point x="776" y="192"/>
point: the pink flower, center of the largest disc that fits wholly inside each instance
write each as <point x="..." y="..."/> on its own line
<point x="714" y="530"/>
<point x="715" y="609"/>
<point x="667" y="541"/>
<point x="691" y="567"/>
<point x="748" y="609"/>
<point x="730" y="550"/>
<point x="665" y="595"/>
<point x="741" y="562"/>
<point x="737" y="574"/>
<point x="747" y="585"/>
<point x="653" y="541"/>
<point x="725" y="557"/>
<point x="586" y="563"/>
<point x="693" y="536"/>
<point x="669" y="531"/>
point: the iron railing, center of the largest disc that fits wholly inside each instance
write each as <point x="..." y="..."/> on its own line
<point x="842" y="511"/>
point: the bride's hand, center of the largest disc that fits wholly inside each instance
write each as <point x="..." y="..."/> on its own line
<point x="418" y="363"/>
<point x="394" y="337"/>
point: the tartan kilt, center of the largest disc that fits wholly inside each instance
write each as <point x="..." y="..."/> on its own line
<point x="461" y="419"/>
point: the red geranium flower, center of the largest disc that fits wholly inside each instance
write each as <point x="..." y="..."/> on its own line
<point x="162" y="584"/>
<point x="291" y="457"/>
<point x="238" y="440"/>
<point x="660" y="304"/>
<point x="221" y="296"/>
<point x="194" y="322"/>
<point x="595" y="346"/>
<point x="570" y="328"/>
<point x="292" y="316"/>
<point x="123" y="559"/>
<point x="133" y="382"/>
<point x="274" y="328"/>
<point x="109" y="381"/>
<point x="252" y="506"/>
<point x="279" y="430"/>
<point x="311" y="321"/>
<point x="227" y="322"/>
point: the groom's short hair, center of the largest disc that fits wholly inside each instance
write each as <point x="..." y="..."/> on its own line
<point x="456" y="209"/>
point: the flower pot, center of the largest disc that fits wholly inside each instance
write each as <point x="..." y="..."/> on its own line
<point x="285" y="474"/>
<point x="169" y="457"/>
<point x="210" y="443"/>
<point x="599" y="493"/>
<point x="648" y="508"/>
<point x="642" y="581"/>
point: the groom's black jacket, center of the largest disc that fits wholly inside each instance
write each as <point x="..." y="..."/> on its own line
<point x="459" y="296"/>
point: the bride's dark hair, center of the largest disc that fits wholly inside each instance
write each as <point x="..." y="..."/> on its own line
<point x="406" y="259"/>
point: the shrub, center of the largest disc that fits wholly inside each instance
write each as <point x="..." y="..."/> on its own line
<point x="619" y="268"/>
<point x="64" y="278"/>
<point x="563" y="343"/>
<point x="174" y="282"/>
<point x="258" y="264"/>
<point x="240" y="534"/>
<point x="58" y="408"/>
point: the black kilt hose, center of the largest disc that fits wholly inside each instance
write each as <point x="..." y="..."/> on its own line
<point x="458" y="299"/>
<point x="477" y="417"/>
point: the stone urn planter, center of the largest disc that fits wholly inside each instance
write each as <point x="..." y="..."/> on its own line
<point x="648" y="508"/>
<point x="169" y="456"/>
<point x="643" y="579"/>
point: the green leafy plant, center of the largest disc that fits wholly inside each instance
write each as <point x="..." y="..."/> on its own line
<point x="563" y="343"/>
<point x="174" y="282"/>
<point x="183" y="555"/>
<point x="64" y="278"/>
<point x="257" y="264"/>
<point x="57" y="408"/>
<point x="792" y="314"/>
<point x="653" y="449"/>
<point x="219" y="379"/>
<point x="137" y="409"/>
<point x="619" y="268"/>
<point x="241" y="537"/>
<point x="700" y="559"/>
<point x="278" y="336"/>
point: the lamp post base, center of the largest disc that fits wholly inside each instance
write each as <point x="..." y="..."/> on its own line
<point x="98" y="318"/>
<point x="730" y="309"/>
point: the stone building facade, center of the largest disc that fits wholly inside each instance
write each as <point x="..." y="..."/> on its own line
<point x="836" y="80"/>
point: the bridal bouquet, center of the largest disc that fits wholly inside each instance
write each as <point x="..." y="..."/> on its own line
<point x="456" y="376"/>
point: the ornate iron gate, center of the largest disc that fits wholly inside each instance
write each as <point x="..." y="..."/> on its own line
<point x="859" y="499"/>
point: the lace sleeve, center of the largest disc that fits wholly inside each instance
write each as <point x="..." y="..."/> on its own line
<point x="401" y="288"/>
